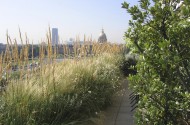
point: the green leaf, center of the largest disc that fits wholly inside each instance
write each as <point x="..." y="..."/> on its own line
<point x="125" y="5"/>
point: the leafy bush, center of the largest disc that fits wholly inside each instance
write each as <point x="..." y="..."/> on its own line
<point x="159" y="33"/>
<point x="128" y="64"/>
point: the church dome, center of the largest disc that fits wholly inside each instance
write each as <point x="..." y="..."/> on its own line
<point x="102" y="38"/>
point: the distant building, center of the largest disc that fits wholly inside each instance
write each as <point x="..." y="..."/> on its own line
<point x="43" y="44"/>
<point x="55" y="36"/>
<point x="102" y="38"/>
<point x="2" y="47"/>
<point x="72" y="41"/>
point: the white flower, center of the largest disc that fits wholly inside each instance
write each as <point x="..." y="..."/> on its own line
<point x="177" y="103"/>
<point x="163" y="5"/>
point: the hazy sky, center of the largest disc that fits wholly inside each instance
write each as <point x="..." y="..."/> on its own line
<point x="71" y="17"/>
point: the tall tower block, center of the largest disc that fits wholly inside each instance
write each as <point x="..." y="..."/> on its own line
<point x="55" y="37"/>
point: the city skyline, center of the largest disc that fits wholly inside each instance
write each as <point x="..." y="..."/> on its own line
<point x="72" y="18"/>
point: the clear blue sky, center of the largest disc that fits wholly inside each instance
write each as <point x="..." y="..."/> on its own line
<point x="71" y="17"/>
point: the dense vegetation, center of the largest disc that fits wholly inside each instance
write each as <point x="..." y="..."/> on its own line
<point x="72" y="91"/>
<point x="159" y="34"/>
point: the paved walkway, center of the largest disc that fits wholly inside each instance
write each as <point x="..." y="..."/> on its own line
<point x="120" y="112"/>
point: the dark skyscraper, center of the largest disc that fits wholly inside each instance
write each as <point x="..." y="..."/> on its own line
<point x="55" y="36"/>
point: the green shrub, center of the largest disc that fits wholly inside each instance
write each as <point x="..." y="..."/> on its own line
<point x="128" y="64"/>
<point x="159" y="33"/>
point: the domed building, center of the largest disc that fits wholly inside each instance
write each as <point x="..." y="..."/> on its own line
<point x="102" y="38"/>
